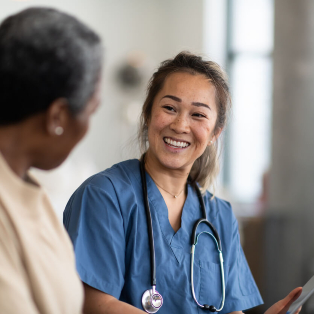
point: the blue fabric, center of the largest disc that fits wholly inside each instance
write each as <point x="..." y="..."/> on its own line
<point x="106" y="221"/>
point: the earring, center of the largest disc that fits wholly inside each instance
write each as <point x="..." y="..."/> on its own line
<point x="211" y="142"/>
<point x="59" y="130"/>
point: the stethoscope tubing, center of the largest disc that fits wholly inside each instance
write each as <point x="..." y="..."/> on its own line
<point x="218" y="244"/>
<point x="213" y="229"/>
<point x="149" y="224"/>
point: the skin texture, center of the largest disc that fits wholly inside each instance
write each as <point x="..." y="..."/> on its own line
<point x="33" y="142"/>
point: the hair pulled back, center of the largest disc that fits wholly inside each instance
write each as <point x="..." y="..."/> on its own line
<point x="206" y="167"/>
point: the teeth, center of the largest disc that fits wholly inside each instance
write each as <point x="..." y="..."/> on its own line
<point x="176" y="144"/>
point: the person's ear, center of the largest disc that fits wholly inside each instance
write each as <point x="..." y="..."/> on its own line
<point x="215" y="137"/>
<point x="56" y="117"/>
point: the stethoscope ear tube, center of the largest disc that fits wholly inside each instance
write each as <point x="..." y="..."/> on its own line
<point x="201" y="200"/>
<point x="149" y="223"/>
<point x="213" y="229"/>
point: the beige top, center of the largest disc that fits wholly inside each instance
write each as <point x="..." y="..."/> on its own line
<point x="37" y="268"/>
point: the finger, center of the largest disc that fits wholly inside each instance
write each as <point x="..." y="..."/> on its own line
<point x="290" y="298"/>
<point x="282" y="306"/>
<point x="298" y="310"/>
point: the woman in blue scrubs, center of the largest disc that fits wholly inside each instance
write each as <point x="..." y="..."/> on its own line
<point x="184" y="113"/>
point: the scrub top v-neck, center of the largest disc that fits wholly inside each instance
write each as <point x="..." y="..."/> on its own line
<point x="106" y="221"/>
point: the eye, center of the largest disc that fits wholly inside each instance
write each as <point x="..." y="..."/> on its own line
<point x="169" y="108"/>
<point x="199" y="115"/>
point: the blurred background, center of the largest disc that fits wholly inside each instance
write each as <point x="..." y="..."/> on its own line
<point x="267" y="49"/>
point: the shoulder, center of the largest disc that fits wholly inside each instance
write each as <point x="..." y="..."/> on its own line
<point x="9" y="240"/>
<point x="111" y="188"/>
<point x="122" y="173"/>
<point x="7" y="228"/>
<point x="114" y="180"/>
<point x="219" y="208"/>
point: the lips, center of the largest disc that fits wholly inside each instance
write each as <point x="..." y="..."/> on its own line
<point x="176" y="143"/>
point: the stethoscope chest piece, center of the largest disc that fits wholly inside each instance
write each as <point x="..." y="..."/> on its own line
<point x="152" y="301"/>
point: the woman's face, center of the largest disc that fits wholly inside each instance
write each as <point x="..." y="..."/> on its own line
<point x="182" y="121"/>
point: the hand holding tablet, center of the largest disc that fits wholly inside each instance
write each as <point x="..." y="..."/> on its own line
<point x="282" y="306"/>
<point x="307" y="291"/>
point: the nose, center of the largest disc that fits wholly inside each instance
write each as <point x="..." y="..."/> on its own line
<point x="180" y="124"/>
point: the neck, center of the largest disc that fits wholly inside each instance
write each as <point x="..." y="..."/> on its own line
<point x="13" y="149"/>
<point x="172" y="181"/>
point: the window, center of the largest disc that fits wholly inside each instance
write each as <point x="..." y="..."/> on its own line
<point x="249" y="63"/>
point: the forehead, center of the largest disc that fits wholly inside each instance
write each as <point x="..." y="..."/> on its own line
<point x="194" y="87"/>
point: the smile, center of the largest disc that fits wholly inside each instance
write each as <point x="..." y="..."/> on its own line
<point x="176" y="144"/>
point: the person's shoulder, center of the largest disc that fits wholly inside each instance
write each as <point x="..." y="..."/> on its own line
<point x="108" y="186"/>
<point x="8" y="229"/>
<point x="122" y="173"/>
<point x="219" y="207"/>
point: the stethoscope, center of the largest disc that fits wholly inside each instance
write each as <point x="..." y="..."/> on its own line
<point x="152" y="300"/>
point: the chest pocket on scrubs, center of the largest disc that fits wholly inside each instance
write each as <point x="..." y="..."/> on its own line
<point x="210" y="289"/>
<point x="208" y="285"/>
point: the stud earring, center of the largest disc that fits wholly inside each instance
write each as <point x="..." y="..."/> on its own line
<point x="59" y="130"/>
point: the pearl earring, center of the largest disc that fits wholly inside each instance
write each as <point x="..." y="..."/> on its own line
<point x="59" y="130"/>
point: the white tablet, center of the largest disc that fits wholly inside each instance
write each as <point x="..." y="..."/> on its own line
<point x="307" y="291"/>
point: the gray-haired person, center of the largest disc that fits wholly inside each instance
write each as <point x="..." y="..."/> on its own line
<point x="50" y="68"/>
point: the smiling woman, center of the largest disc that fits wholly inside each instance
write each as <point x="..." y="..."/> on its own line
<point x="132" y="225"/>
<point x="182" y="122"/>
<point x="184" y="113"/>
<point x="214" y="82"/>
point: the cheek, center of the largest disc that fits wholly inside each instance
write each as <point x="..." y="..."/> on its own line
<point x="204" y="133"/>
<point x="159" y="122"/>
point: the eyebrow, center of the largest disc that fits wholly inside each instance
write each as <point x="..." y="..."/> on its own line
<point x="173" y="98"/>
<point x="200" y="104"/>
<point x="197" y="104"/>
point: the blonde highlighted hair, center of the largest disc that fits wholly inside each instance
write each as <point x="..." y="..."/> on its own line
<point x="205" y="168"/>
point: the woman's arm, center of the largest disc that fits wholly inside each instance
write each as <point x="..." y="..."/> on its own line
<point x="98" y="302"/>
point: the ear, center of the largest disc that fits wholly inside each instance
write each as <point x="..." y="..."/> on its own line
<point x="57" y="116"/>
<point x="215" y="137"/>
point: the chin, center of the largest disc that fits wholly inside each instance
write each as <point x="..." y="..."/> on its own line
<point x="49" y="164"/>
<point x="173" y="163"/>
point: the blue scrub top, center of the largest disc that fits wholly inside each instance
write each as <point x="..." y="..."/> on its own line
<point x="106" y="221"/>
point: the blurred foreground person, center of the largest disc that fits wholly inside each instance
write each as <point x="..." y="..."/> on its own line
<point x="50" y="67"/>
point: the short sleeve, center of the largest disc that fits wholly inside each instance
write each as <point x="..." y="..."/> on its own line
<point x="15" y="295"/>
<point x="95" y="225"/>
<point x="241" y="290"/>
